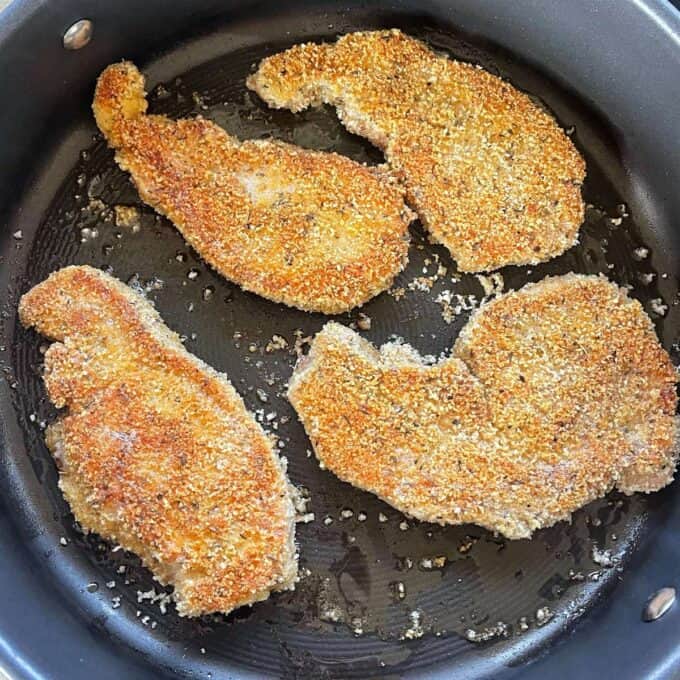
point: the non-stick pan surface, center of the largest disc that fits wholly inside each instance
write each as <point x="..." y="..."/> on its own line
<point x="379" y="594"/>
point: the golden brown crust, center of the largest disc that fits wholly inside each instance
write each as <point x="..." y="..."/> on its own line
<point x="553" y="395"/>
<point x="490" y="173"/>
<point x="312" y="230"/>
<point x="157" y="450"/>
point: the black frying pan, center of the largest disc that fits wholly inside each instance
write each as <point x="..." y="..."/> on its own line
<point x="610" y="70"/>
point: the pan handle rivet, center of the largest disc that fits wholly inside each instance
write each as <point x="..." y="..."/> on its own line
<point x="78" y="34"/>
<point x="659" y="604"/>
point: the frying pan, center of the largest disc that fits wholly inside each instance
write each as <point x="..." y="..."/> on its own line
<point x="369" y="604"/>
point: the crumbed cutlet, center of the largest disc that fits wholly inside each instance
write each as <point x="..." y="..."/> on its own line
<point x="157" y="451"/>
<point x="490" y="173"/>
<point x="312" y="230"/>
<point x="553" y="395"/>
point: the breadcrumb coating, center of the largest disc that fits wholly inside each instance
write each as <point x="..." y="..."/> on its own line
<point x="313" y="230"/>
<point x="553" y="395"/>
<point x="157" y="451"/>
<point x="490" y="173"/>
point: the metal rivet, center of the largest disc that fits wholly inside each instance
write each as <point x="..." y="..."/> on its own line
<point x="78" y="35"/>
<point x="659" y="604"/>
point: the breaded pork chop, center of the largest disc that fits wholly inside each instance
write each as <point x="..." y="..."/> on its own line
<point x="157" y="451"/>
<point x="312" y="230"/>
<point x="490" y="173"/>
<point x="553" y="395"/>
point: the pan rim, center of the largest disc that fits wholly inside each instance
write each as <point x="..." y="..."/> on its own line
<point x="663" y="11"/>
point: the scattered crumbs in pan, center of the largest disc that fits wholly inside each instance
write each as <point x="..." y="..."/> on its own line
<point x="543" y="615"/>
<point x="97" y="207"/>
<point x="454" y="304"/>
<point x="306" y="518"/>
<point x="658" y="307"/>
<point x="603" y="557"/>
<point x="422" y="283"/>
<point x="492" y="284"/>
<point x="399" y="590"/>
<point x="127" y="216"/>
<point x="277" y="343"/>
<point x="415" y="630"/>
<point x="501" y="629"/>
<point x="302" y="342"/>
<point x="162" y="599"/>
<point x="363" y="322"/>
<point x="357" y="625"/>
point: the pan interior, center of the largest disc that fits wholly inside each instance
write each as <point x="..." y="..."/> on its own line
<point x="378" y="593"/>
